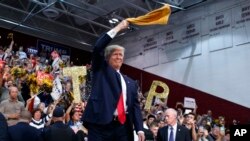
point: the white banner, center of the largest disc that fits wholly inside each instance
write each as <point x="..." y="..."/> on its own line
<point x="189" y="103"/>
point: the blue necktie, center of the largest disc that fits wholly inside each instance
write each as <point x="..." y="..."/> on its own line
<point x="171" y="136"/>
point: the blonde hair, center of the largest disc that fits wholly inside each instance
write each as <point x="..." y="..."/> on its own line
<point x="110" y="49"/>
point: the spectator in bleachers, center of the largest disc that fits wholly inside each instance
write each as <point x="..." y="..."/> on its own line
<point x="5" y="91"/>
<point x="43" y="56"/>
<point x="73" y="119"/>
<point x="203" y="132"/>
<point x="209" y="116"/>
<point x="216" y="134"/>
<point x="161" y="123"/>
<point x="28" y="67"/>
<point x="222" y="121"/>
<point x="203" y="121"/>
<point x="32" y="60"/>
<point x="180" y="110"/>
<point x="227" y="135"/>
<point x="56" y="62"/>
<point x="22" y="55"/>
<point x="235" y="122"/>
<point x="6" y="71"/>
<point x="190" y="124"/>
<point x="8" y="52"/>
<point x="153" y="128"/>
<point x="11" y="108"/>
<point x="159" y="115"/>
<point x="22" y="131"/>
<point x="47" y="111"/>
<point x="38" y="121"/>
<point x="38" y="65"/>
<point x="149" y="120"/>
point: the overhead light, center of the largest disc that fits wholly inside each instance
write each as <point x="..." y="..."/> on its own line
<point x="84" y="43"/>
<point x="113" y="21"/>
<point x="50" y="13"/>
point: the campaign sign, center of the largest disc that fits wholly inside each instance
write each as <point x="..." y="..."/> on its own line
<point x="240" y="132"/>
<point x="32" y="50"/>
<point x="49" y="47"/>
<point x="189" y="103"/>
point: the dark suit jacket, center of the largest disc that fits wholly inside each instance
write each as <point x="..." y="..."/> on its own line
<point x="23" y="132"/>
<point x="58" y="132"/>
<point x="182" y="134"/>
<point x="106" y="89"/>
<point x="3" y="128"/>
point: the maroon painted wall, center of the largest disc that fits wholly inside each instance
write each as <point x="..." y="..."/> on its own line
<point x="205" y="101"/>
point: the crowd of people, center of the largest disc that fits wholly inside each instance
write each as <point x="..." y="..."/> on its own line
<point x="29" y="101"/>
<point x="31" y="109"/>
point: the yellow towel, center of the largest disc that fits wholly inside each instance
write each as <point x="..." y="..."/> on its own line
<point x="158" y="16"/>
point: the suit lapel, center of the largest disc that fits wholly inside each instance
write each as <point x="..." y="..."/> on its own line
<point x="118" y="79"/>
<point x="178" y="133"/>
<point x="117" y="90"/>
<point x="166" y="133"/>
<point x="128" y="102"/>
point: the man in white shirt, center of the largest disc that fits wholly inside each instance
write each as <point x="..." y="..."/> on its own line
<point x="173" y="131"/>
<point x="113" y="111"/>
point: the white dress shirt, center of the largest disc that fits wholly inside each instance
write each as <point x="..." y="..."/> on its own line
<point x="174" y="131"/>
<point x="112" y="33"/>
<point x="124" y="93"/>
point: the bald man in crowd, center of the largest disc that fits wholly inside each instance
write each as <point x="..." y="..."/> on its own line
<point x="173" y="131"/>
<point x="11" y="107"/>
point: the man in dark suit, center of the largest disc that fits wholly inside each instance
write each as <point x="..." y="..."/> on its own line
<point x="58" y="131"/>
<point x="22" y="131"/>
<point x="3" y="128"/>
<point x="173" y="131"/>
<point x="112" y="112"/>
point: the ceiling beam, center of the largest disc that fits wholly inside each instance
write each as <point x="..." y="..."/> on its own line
<point x="73" y="15"/>
<point x="148" y="5"/>
<point x="46" y="32"/>
<point x="70" y="27"/>
<point x="103" y="10"/>
<point x="136" y="6"/>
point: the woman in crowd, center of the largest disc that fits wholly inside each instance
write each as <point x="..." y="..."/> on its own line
<point x="38" y="121"/>
<point x="73" y="119"/>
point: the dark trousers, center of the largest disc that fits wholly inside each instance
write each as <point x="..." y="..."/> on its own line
<point x="113" y="131"/>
